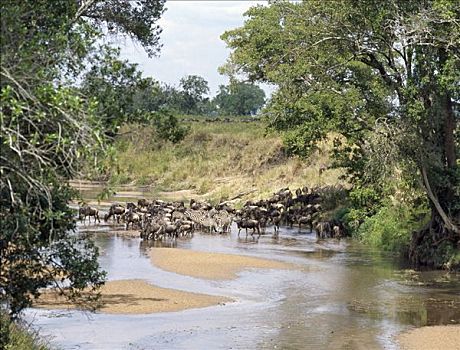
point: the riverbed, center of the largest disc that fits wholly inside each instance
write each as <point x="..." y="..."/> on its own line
<point x="340" y="295"/>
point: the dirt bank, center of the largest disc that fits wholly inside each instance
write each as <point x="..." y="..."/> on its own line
<point x="137" y="297"/>
<point x="431" y="338"/>
<point x="209" y="265"/>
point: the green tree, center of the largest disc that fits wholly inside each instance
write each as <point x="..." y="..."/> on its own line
<point x="47" y="128"/>
<point x="384" y="75"/>
<point x="239" y="99"/>
<point x="133" y="19"/>
<point x="114" y="85"/>
<point x="157" y="96"/>
<point x="194" y="89"/>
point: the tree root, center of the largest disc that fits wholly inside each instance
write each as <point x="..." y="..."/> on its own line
<point x="434" y="244"/>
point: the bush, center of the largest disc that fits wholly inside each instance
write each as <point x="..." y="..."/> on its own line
<point x="14" y="336"/>
<point x="392" y="225"/>
<point x="168" y="128"/>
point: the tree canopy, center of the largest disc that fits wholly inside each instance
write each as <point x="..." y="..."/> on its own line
<point x="239" y="98"/>
<point x="194" y="90"/>
<point x="382" y="75"/>
<point x="47" y="127"/>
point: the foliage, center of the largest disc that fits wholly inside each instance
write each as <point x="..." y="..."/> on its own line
<point x="114" y="84"/>
<point x="239" y="99"/>
<point x="380" y="74"/>
<point x="43" y="136"/>
<point x="47" y="128"/>
<point x="157" y="96"/>
<point x="193" y="88"/>
<point x="135" y="19"/>
<point x="167" y="127"/>
<point x="392" y="226"/>
<point x="123" y="95"/>
<point x="16" y="336"/>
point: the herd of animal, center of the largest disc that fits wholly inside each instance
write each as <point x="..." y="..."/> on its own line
<point x="223" y="120"/>
<point x="158" y="220"/>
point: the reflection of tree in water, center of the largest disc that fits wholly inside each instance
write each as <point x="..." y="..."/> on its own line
<point x="357" y="291"/>
<point x="428" y="310"/>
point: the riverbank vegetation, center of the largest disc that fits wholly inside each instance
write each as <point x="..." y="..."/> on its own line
<point x="385" y="77"/>
<point x="49" y="127"/>
<point x="18" y="336"/>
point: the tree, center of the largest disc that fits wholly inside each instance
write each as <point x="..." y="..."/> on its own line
<point x="158" y="96"/>
<point x="47" y="128"/>
<point x="239" y="99"/>
<point x="134" y="19"/>
<point x="363" y="68"/>
<point x="193" y="88"/>
<point x="114" y="84"/>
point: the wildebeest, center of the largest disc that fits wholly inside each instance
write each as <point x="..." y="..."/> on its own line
<point x="248" y="223"/>
<point x="132" y="218"/>
<point x="116" y="211"/>
<point x="89" y="212"/>
<point x="143" y="203"/>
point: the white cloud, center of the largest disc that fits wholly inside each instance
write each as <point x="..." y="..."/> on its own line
<point x="191" y="41"/>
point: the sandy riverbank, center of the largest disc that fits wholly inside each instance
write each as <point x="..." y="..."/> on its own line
<point x="215" y="266"/>
<point x="431" y="338"/>
<point x="137" y="297"/>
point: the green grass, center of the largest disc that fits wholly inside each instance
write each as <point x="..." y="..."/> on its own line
<point x="14" y="336"/>
<point x="216" y="160"/>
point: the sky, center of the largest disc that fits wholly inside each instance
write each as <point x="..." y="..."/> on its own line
<point x="191" y="41"/>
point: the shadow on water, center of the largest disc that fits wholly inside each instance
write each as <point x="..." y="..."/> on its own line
<point x="343" y="296"/>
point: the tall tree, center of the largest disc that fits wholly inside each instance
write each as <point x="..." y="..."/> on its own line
<point x="194" y="90"/>
<point x="47" y="127"/>
<point x="382" y="74"/>
<point x="239" y="99"/>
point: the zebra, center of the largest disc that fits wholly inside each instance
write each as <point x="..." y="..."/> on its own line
<point x="202" y="219"/>
<point x="223" y="220"/>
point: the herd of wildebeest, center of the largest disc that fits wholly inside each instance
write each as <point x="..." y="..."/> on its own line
<point x="158" y="220"/>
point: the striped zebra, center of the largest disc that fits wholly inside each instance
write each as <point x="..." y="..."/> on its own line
<point x="223" y="220"/>
<point x="202" y="219"/>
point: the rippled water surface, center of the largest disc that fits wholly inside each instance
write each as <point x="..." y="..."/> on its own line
<point x="343" y="296"/>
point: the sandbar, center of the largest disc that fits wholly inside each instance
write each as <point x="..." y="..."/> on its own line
<point x="137" y="297"/>
<point x="214" y="266"/>
<point x="431" y="338"/>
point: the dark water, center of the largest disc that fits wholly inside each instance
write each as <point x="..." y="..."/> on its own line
<point x="344" y="296"/>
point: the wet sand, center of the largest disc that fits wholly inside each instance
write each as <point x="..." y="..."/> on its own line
<point x="431" y="338"/>
<point x="137" y="297"/>
<point x="215" y="266"/>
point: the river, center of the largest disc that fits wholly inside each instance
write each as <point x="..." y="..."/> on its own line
<point x="343" y="296"/>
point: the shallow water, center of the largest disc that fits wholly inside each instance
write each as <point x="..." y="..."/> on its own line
<point x="343" y="296"/>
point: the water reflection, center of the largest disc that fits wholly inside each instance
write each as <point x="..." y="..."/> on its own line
<point x="144" y="246"/>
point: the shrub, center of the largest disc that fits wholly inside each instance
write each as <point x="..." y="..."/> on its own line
<point x="16" y="336"/>
<point x="392" y="225"/>
<point x="168" y="127"/>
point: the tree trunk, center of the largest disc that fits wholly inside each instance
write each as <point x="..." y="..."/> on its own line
<point x="433" y="245"/>
<point x="449" y="129"/>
